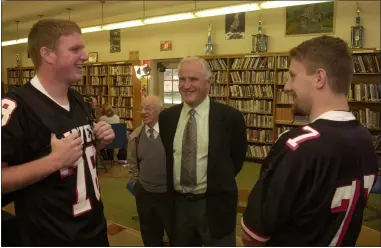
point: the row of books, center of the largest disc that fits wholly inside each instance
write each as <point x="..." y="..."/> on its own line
<point x="220" y="76"/>
<point x="98" y="81"/>
<point x="218" y="90"/>
<point x="281" y="129"/>
<point x="121" y="91"/>
<point x="259" y="135"/>
<point x="258" y="151"/>
<point x="283" y="97"/>
<point x="98" y="70"/>
<point x="253" y="63"/>
<point x="251" y="91"/>
<point x="283" y="62"/>
<point x="365" y="92"/>
<point x="262" y="77"/>
<point x="257" y="120"/>
<point x="123" y="112"/>
<point x="367" y="117"/>
<point x="101" y="100"/>
<point x="120" y="70"/>
<point x="97" y="90"/>
<point x="125" y="80"/>
<point x="121" y="101"/>
<point x="217" y="64"/>
<point x="366" y="63"/>
<point x="257" y="106"/>
<point x="282" y="77"/>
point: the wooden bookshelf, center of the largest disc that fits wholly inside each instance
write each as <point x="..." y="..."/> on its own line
<point x="254" y="83"/>
<point x="18" y="76"/>
<point x="246" y="82"/>
<point x="109" y="82"/>
<point x="364" y="96"/>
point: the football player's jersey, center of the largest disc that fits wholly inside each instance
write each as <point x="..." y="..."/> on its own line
<point x="65" y="208"/>
<point x="314" y="184"/>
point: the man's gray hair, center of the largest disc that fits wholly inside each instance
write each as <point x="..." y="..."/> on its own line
<point x="205" y="65"/>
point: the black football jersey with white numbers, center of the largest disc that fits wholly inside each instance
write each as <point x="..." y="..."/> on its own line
<point x="65" y="208"/>
<point x="313" y="186"/>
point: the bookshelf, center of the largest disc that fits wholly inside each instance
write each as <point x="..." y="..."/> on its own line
<point x="364" y="96"/>
<point x="18" y="76"/>
<point x="253" y="84"/>
<point x="246" y="82"/>
<point x="109" y="82"/>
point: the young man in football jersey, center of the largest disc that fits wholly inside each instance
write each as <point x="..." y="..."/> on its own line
<point x="314" y="184"/>
<point x="49" y="145"/>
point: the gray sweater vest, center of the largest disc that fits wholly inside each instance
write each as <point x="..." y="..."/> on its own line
<point x="152" y="164"/>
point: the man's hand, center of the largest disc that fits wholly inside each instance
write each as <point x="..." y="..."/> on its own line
<point x="66" y="151"/>
<point x="104" y="133"/>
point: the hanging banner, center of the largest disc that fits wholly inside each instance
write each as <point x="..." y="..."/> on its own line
<point x="115" y="41"/>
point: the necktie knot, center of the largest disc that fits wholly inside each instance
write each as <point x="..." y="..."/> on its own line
<point x="192" y="112"/>
<point x="151" y="134"/>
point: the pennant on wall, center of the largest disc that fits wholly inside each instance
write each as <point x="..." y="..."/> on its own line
<point x="115" y="41"/>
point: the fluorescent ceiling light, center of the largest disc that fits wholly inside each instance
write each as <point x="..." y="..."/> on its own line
<point x="91" y="29"/>
<point x="279" y="4"/>
<point x="169" y="18"/>
<point x="127" y="24"/>
<point x="228" y="10"/>
<point x="14" y="42"/>
<point x="9" y="43"/>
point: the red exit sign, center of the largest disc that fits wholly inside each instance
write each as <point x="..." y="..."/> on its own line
<point x="166" y="45"/>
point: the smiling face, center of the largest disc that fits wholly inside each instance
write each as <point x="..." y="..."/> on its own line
<point x="193" y="84"/>
<point x="68" y="57"/>
<point x="300" y="85"/>
<point x="150" y="110"/>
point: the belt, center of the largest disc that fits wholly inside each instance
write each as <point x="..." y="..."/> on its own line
<point x="191" y="197"/>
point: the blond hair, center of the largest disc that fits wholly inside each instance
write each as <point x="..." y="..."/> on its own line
<point x="108" y="108"/>
<point x="45" y="33"/>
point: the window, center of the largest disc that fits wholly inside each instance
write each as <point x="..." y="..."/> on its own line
<point x="171" y="87"/>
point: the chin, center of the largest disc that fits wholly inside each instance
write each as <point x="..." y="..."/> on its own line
<point x="297" y="110"/>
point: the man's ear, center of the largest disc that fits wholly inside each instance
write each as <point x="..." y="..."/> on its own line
<point x="47" y="55"/>
<point x="320" y="78"/>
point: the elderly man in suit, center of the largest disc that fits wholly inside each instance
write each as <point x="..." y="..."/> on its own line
<point x="205" y="145"/>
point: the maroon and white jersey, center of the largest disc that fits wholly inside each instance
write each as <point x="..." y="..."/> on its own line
<point x="65" y="208"/>
<point x="314" y="185"/>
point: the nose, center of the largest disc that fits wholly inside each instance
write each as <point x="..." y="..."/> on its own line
<point x="84" y="56"/>
<point x="287" y="86"/>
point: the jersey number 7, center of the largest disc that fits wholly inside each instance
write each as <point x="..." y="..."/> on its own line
<point x="83" y="204"/>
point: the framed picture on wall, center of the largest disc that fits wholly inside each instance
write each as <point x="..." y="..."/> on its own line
<point x="317" y="18"/>
<point x="93" y="57"/>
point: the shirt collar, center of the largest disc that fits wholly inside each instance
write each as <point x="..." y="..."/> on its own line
<point x="336" y="115"/>
<point x="156" y="127"/>
<point x="201" y="109"/>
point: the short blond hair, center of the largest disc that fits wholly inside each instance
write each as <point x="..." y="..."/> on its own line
<point x="108" y="108"/>
<point x="45" y="33"/>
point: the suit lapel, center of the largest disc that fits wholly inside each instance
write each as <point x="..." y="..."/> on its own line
<point x="214" y="127"/>
<point x="175" y="116"/>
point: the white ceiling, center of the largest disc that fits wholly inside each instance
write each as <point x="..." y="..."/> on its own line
<point x="88" y="13"/>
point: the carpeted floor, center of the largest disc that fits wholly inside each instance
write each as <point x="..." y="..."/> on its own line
<point x="120" y="204"/>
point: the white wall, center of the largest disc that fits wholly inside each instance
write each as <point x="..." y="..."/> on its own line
<point x="189" y="37"/>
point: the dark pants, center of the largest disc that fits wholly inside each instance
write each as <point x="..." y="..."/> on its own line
<point x="155" y="212"/>
<point x="191" y="227"/>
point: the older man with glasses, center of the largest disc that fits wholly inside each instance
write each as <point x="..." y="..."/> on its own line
<point x="147" y="170"/>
